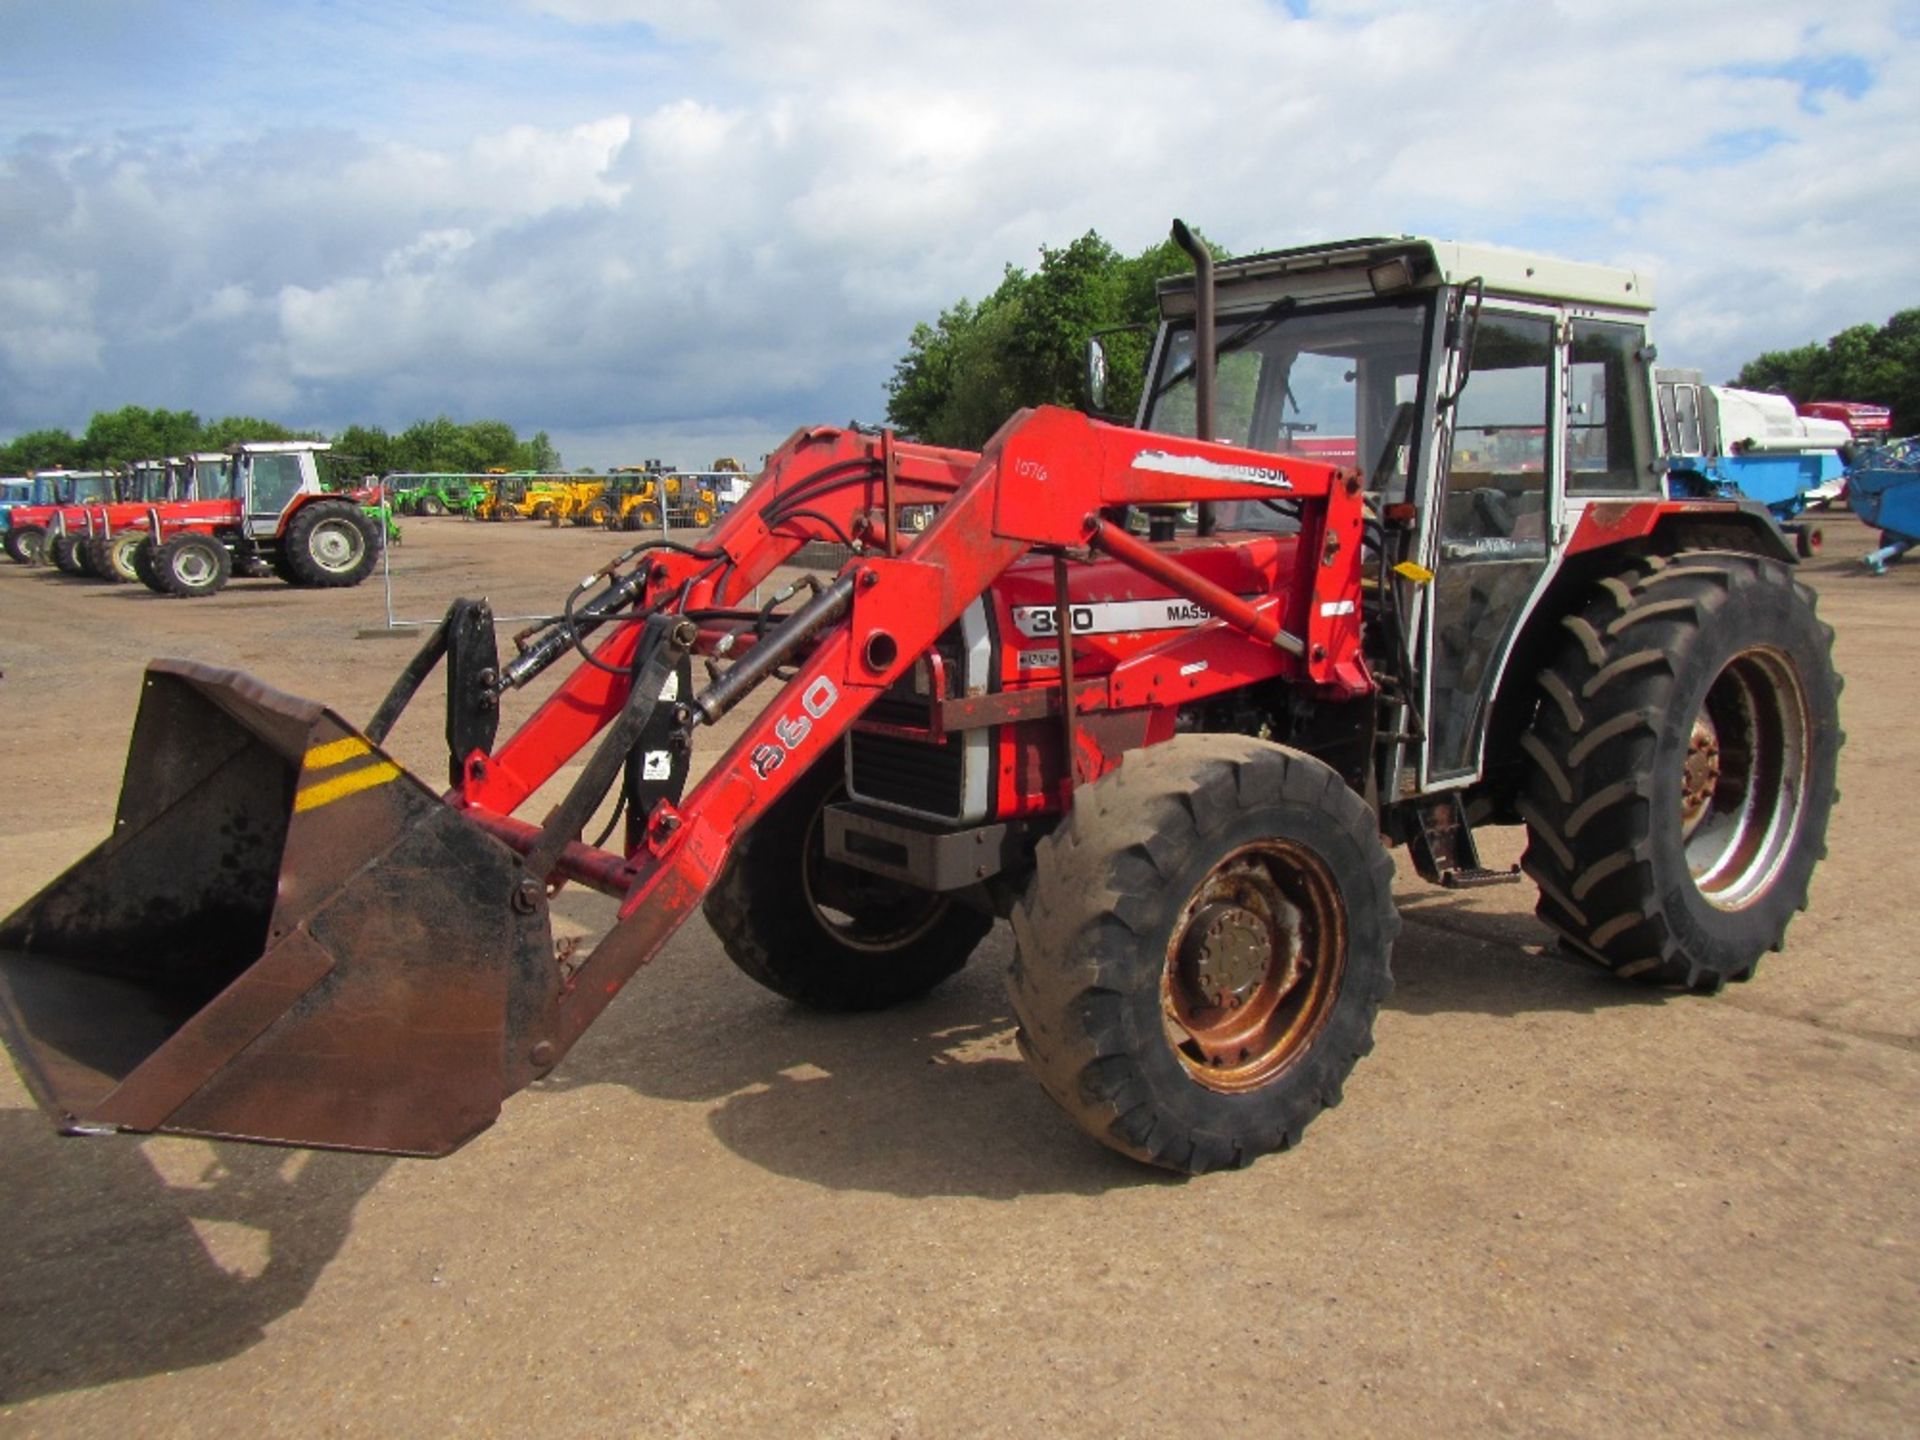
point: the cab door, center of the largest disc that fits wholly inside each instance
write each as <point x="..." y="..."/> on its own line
<point x="273" y="481"/>
<point x="1498" y="510"/>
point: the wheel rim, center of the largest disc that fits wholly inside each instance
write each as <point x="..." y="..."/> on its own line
<point x="193" y="567"/>
<point x="1744" y="781"/>
<point x="336" y="545"/>
<point x="861" y="910"/>
<point x="1253" y="966"/>
<point x="120" y="555"/>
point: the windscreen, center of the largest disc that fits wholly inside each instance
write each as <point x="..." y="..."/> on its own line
<point x="1322" y="382"/>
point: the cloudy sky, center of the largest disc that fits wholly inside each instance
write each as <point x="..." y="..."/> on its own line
<point x="683" y="227"/>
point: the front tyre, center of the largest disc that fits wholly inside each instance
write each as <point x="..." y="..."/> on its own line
<point x="1683" y="762"/>
<point x="192" y="565"/>
<point x="112" y="556"/>
<point x="1202" y="950"/>
<point x="64" y="552"/>
<point x="826" y="935"/>
<point x="329" y="544"/>
<point x="143" y="565"/>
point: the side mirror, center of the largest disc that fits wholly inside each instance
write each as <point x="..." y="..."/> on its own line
<point x="1096" y="377"/>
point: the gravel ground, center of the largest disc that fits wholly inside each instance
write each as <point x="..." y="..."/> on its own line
<point x="1550" y="1204"/>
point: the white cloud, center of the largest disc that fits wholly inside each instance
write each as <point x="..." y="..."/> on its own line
<point x="748" y="247"/>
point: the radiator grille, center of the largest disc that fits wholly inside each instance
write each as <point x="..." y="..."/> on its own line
<point x="916" y="775"/>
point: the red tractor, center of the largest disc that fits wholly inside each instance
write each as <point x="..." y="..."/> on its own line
<point x="1175" y="760"/>
<point x="59" y="497"/>
<point x="265" y="510"/>
<point x="100" y="543"/>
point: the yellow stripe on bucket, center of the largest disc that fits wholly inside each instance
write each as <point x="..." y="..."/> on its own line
<point x="325" y="792"/>
<point x="335" y="752"/>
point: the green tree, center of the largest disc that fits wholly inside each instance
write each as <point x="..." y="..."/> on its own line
<point x="39" y="450"/>
<point x="370" y="444"/>
<point x="538" y="454"/>
<point x="232" y="429"/>
<point x="1880" y="366"/>
<point x="1025" y="343"/>
<point x="114" y="437"/>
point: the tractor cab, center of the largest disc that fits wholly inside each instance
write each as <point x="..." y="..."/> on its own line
<point x="270" y="476"/>
<point x="14" y="490"/>
<point x="208" y="476"/>
<point x="148" y="480"/>
<point x="1490" y="400"/>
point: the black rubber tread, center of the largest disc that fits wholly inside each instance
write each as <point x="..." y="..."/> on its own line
<point x="295" y="553"/>
<point x="432" y="505"/>
<point x="544" y="510"/>
<point x="1093" y="929"/>
<point x="91" y="551"/>
<point x="598" y="513"/>
<point x="1604" y="753"/>
<point x="143" y="570"/>
<point x="165" y="565"/>
<point x="27" y="545"/>
<point x="63" y="553"/>
<point x="768" y="927"/>
<point x="110" y="556"/>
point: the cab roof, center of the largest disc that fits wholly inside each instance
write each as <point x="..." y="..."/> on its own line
<point x="1340" y="269"/>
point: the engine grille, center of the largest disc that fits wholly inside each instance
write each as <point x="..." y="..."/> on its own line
<point x="917" y="775"/>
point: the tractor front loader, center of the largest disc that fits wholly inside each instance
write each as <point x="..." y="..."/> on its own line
<point x="1161" y="694"/>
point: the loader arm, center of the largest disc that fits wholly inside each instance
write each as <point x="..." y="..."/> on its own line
<point x="1043" y="481"/>
<point x="289" y="938"/>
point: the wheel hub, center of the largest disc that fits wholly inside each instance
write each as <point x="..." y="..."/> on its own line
<point x="1700" y="775"/>
<point x="336" y="546"/>
<point x="1226" y="952"/>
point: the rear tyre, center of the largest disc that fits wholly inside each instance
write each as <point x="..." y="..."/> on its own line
<point x="1682" y="770"/>
<point x="647" y="517"/>
<point x="1202" y="950"/>
<point x="329" y="544"/>
<point x="432" y="505"/>
<point x="63" y="552"/>
<point x="193" y="564"/>
<point x="27" y="545"/>
<point x="544" y="510"/>
<point x="825" y="935"/>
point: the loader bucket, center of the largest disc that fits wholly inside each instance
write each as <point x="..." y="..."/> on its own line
<point x="287" y="938"/>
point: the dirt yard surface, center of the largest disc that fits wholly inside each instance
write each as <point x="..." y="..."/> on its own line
<point x="1552" y="1203"/>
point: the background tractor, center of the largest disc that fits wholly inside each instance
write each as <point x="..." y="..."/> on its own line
<point x="53" y="507"/>
<point x="1175" y="760"/>
<point x="436" y="494"/>
<point x="643" y="497"/>
<point x="269" y="512"/>
<point x="540" y="497"/>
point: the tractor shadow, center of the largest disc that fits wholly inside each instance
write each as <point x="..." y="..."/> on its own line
<point x="1459" y="955"/>
<point x="932" y="1098"/>
<point x="116" y="1270"/>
